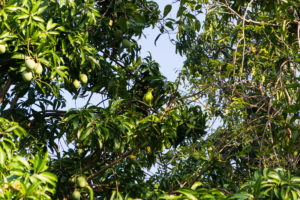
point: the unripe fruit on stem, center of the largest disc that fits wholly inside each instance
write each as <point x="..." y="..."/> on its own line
<point x="76" y="195"/>
<point x="29" y="63"/>
<point x="76" y="83"/>
<point x="38" y="69"/>
<point x="118" y="34"/>
<point x="80" y="151"/>
<point x="27" y="76"/>
<point x="72" y="179"/>
<point x="125" y="43"/>
<point x="82" y="181"/>
<point x="83" y="78"/>
<point x="2" y="48"/>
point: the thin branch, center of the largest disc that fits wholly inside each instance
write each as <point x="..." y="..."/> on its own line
<point x="116" y="181"/>
<point x="88" y="101"/>
<point x="298" y="33"/>
<point x="14" y="101"/>
<point x="169" y="107"/>
<point x="49" y="113"/>
<point x="244" y="39"/>
<point x="103" y="100"/>
<point x="246" y="20"/>
<point x="5" y="89"/>
<point x="145" y="104"/>
<point x="124" y="155"/>
<point x="129" y="73"/>
<point x="96" y="158"/>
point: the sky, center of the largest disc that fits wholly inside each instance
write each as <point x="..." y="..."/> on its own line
<point x="164" y="51"/>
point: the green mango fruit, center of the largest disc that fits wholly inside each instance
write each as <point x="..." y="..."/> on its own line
<point x="80" y="151"/>
<point x="38" y="69"/>
<point x="81" y="181"/>
<point x="76" y="195"/>
<point x="29" y="63"/>
<point x="76" y="83"/>
<point x="27" y="76"/>
<point x="2" y="48"/>
<point x="83" y="78"/>
<point x="126" y="43"/>
<point x="118" y="34"/>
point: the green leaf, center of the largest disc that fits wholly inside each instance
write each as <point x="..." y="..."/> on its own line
<point x="12" y="128"/>
<point x="32" y="188"/>
<point x="169" y="196"/>
<point x="167" y="10"/>
<point x="7" y="149"/>
<point x="4" y="34"/>
<point x="41" y="165"/>
<point x="190" y="194"/>
<point x="197" y="25"/>
<point x="2" y="156"/>
<point x="85" y="133"/>
<point x="294" y="85"/>
<point x="257" y="187"/>
<point x="42" y="9"/>
<point x="23" y="161"/>
<point x="274" y="175"/>
<point x="241" y="196"/>
<point x="25" y="16"/>
<point x="295" y="179"/>
<point x="47" y="177"/>
<point x="180" y="11"/>
<point x="157" y="37"/>
<point x="116" y="105"/>
<point x="18" y="56"/>
<point x="35" y="7"/>
<point x="195" y="185"/>
<point x="12" y="8"/>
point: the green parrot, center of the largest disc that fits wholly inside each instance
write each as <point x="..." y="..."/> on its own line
<point x="148" y="97"/>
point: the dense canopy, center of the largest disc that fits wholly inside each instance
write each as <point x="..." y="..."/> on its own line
<point x="226" y="128"/>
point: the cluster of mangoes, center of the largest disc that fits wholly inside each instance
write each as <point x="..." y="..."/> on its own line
<point x="31" y="67"/>
<point x="81" y="182"/>
<point x="83" y="79"/>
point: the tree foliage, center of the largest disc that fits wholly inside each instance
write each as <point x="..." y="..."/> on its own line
<point x="22" y="175"/>
<point x="241" y="73"/>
